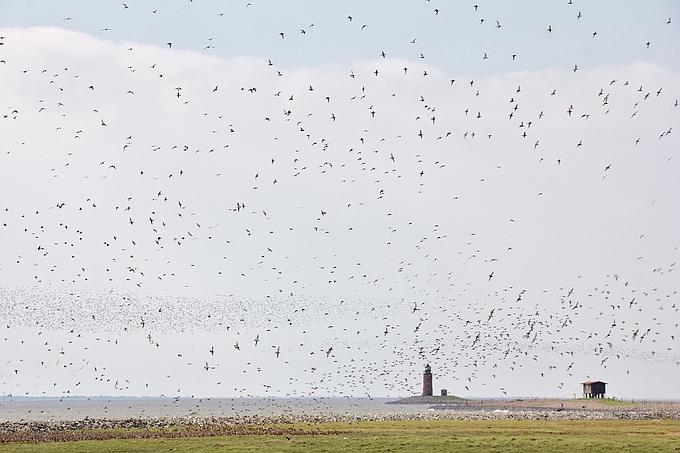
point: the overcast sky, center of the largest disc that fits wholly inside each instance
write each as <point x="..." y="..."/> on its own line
<point x="271" y="198"/>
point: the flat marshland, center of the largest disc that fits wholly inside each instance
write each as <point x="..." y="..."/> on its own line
<point x="610" y="435"/>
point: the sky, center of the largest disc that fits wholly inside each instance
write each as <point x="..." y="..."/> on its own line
<point x="299" y="198"/>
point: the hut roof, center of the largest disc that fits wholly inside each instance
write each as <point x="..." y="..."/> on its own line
<point x="593" y="382"/>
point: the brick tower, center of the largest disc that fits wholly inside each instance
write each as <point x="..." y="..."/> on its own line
<point x="427" y="381"/>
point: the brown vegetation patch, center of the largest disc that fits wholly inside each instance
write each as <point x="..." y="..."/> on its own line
<point x="167" y="433"/>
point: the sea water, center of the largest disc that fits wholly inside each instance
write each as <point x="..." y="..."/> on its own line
<point x="78" y="408"/>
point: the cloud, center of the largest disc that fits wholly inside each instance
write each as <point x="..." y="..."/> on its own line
<point x="205" y="148"/>
<point x="154" y="171"/>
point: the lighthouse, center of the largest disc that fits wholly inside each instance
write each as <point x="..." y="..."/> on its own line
<point x="427" y="381"/>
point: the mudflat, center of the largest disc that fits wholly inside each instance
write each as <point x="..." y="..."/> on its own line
<point x="607" y="435"/>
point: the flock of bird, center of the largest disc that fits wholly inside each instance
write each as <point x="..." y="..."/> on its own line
<point x="251" y="229"/>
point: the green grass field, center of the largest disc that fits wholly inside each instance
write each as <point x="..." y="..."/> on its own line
<point x="431" y="436"/>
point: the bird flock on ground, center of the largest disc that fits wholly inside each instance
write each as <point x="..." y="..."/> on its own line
<point x="174" y="220"/>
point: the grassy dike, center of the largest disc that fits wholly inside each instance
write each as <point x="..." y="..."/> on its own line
<point x="431" y="436"/>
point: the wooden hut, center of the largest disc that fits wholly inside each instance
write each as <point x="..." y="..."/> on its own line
<point x="594" y="389"/>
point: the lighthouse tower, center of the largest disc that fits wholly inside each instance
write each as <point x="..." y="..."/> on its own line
<point x="427" y="381"/>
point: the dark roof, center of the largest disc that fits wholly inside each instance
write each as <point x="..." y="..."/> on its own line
<point x="593" y="382"/>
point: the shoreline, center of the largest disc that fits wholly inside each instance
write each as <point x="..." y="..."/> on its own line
<point x="433" y="409"/>
<point x="527" y="404"/>
<point x="315" y="419"/>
